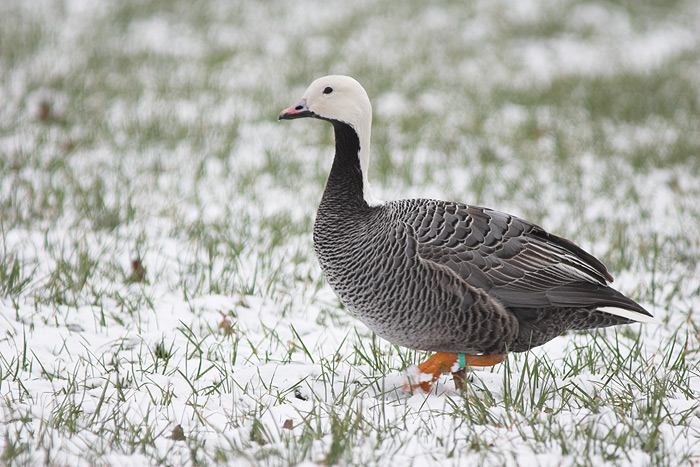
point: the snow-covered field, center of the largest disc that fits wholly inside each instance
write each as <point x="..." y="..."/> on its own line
<point x="159" y="298"/>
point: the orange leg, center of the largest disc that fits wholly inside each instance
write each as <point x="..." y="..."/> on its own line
<point x="443" y="362"/>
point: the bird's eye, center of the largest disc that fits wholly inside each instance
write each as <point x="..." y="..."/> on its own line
<point x="328" y="90"/>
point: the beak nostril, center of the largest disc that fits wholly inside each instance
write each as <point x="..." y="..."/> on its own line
<point x="298" y="111"/>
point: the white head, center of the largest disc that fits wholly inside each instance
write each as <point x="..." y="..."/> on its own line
<point x="343" y="99"/>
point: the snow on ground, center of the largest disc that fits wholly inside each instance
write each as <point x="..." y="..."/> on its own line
<point x="146" y="130"/>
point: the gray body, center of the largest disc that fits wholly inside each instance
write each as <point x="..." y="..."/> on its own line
<point x="441" y="276"/>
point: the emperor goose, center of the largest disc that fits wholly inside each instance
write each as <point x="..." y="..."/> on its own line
<point x="467" y="282"/>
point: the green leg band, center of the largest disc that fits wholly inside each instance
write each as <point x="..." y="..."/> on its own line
<point x="462" y="361"/>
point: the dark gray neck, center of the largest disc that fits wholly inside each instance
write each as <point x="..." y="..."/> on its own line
<point x="344" y="186"/>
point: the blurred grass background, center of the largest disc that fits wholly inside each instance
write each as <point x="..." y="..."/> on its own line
<point x="147" y="129"/>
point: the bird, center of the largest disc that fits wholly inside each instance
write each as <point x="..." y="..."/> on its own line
<point x="466" y="282"/>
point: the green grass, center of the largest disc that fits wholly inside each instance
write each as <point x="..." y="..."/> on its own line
<point x="160" y="302"/>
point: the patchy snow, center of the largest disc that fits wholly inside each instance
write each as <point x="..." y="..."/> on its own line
<point x="148" y="132"/>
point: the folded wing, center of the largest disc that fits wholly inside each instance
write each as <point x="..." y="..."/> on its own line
<point x="513" y="260"/>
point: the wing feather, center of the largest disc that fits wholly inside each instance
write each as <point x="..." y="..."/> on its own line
<point x="513" y="260"/>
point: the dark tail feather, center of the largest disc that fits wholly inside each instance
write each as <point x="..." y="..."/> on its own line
<point x="586" y="294"/>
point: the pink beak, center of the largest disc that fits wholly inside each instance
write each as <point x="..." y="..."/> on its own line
<point x="296" y="111"/>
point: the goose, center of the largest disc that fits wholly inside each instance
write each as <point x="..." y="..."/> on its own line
<point x="466" y="282"/>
